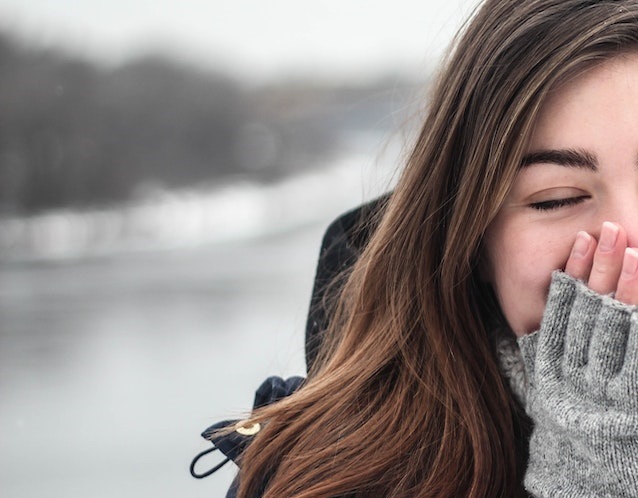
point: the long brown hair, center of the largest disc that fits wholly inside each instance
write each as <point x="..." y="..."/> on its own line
<point x="406" y="399"/>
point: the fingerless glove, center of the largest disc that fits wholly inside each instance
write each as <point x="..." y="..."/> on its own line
<point x="582" y="395"/>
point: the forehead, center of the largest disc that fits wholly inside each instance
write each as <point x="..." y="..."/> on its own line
<point x="574" y="112"/>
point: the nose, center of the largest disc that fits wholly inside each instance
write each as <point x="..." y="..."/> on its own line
<point x="625" y="213"/>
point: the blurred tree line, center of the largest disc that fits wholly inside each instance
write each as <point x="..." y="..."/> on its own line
<point x="74" y="133"/>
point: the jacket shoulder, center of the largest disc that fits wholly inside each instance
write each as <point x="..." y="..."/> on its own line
<point x="341" y="245"/>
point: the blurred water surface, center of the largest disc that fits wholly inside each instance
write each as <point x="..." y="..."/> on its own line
<point x="111" y="367"/>
<point x="111" y="364"/>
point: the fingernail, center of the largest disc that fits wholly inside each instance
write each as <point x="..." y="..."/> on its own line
<point x="630" y="263"/>
<point x="608" y="236"/>
<point x="581" y="244"/>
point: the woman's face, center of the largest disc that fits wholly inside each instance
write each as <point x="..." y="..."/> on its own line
<point x="581" y="170"/>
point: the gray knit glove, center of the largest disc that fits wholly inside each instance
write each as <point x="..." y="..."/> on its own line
<point x="582" y="394"/>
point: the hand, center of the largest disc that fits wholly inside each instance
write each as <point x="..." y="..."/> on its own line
<point x="607" y="265"/>
<point x="582" y="370"/>
<point x="582" y="380"/>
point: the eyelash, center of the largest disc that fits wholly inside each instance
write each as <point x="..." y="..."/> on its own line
<point x="558" y="203"/>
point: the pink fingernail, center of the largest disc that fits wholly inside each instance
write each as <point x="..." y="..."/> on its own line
<point x="608" y="236"/>
<point x="581" y="244"/>
<point x="630" y="263"/>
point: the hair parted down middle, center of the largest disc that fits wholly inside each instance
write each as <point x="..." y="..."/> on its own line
<point x="406" y="399"/>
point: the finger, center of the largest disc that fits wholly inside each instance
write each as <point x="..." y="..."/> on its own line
<point x="627" y="290"/>
<point x="585" y="311"/>
<point x="607" y="348"/>
<point x="608" y="258"/>
<point x="582" y="256"/>
<point x="625" y="382"/>
<point x="555" y="327"/>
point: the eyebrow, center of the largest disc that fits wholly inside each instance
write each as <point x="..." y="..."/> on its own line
<point x="572" y="158"/>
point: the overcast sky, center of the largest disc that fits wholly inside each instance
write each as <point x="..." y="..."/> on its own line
<point x="260" y="39"/>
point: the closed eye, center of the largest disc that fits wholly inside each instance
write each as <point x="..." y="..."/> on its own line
<point x="558" y="203"/>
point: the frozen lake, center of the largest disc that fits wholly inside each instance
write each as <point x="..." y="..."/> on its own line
<point x="111" y="367"/>
<point x="113" y="362"/>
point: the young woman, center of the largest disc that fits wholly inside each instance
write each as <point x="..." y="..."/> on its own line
<point x="458" y="360"/>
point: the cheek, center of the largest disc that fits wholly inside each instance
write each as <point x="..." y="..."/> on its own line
<point x="520" y="272"/>
<point x="521" y="292"/>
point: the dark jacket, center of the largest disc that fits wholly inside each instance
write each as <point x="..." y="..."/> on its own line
<point x="341" y="245"/>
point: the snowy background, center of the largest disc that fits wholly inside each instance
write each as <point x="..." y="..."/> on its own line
<point x="126" y="328"/>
